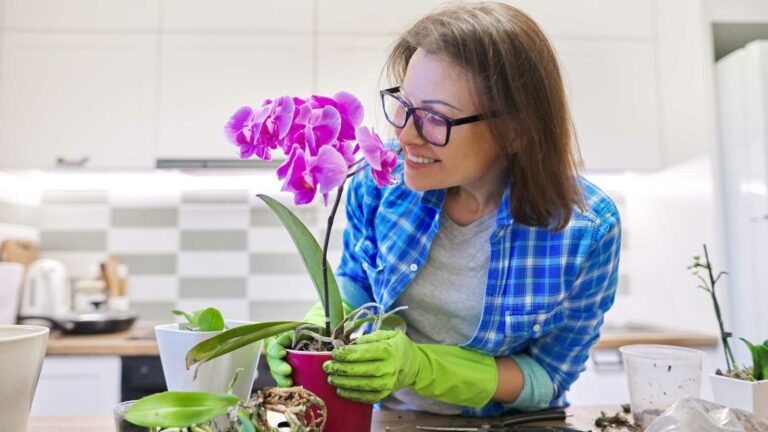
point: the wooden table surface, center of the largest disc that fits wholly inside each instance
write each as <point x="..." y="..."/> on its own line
<point x="580" y="417"/>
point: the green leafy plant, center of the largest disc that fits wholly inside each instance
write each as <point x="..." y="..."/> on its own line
<point x="209" y="319"/>
<point x="759" y="369"/>
<point x="759" y="359"/>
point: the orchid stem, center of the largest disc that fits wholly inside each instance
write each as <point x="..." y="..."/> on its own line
<point x="326" y="302"/>
<point x="729" y="359"/>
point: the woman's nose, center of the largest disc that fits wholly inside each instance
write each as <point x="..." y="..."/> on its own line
<point x="408" y="134"/>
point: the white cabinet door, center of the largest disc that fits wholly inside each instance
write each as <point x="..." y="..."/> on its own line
<point x="78" y="385"/>
<point x="263" y="16"/>
<point x="355" y="65"/>
<point x="613" y="93"/>
<point x="368" y="17"/>
<point x="86" y="100"/>
<point x="81" y="15"/>
<point x="591" y="18"/>
<point x="205" y="79"/>
<point x="626" y="18"/>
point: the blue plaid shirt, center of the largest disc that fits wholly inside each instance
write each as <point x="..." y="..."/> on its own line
<point x="547" y="291"/>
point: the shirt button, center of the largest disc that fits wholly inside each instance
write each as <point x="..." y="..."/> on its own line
<point x="414" y="267"/>
<point x="536" y="328"/>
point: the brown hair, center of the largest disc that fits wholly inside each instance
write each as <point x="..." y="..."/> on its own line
<point x="516" y="75"/>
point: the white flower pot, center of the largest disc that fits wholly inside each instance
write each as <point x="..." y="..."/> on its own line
<point x="213" y="376"/>
<point x="746" y="395"/>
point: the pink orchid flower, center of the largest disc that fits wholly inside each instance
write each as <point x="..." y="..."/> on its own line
<point x="381" y="159"/>
<point x="348" y="106"/>
<point x="238" y="131"/>
<point x="304" y="173"/>
<point x="321" y="127"/>
<point x="262" y="130"/>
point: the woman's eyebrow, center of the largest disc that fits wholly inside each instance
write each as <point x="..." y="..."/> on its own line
<point x="438" y="101"/>
<point x="429" y="101"/>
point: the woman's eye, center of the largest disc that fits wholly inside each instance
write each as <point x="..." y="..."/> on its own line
<point x="435" y="120"/>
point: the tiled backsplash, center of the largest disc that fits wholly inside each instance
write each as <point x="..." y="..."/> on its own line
<point x="190" y="247"/>
<point x="185" y="249"/>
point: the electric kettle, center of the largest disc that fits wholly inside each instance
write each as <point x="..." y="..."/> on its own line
<point x="47" y="291"/>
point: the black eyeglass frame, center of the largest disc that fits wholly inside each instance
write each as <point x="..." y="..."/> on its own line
<point x="409" y="109"/>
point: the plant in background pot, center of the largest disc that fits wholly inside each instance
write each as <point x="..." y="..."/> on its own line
<point x="175" y="340"/>
<point x="736" y="387"/>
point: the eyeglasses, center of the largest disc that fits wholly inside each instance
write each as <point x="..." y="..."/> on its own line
<point x="432" y="126"/>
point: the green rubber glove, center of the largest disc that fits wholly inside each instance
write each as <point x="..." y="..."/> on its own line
<point x="385" y="361"/>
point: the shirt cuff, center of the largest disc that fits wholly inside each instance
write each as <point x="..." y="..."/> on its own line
<point x="538" y="388"/>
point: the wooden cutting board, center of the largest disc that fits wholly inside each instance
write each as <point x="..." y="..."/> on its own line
<point x="19" y="251"/>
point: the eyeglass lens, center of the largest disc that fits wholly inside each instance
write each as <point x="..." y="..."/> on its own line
<point x="431" y="127"/>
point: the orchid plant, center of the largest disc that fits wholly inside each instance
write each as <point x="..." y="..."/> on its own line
<point x="324" y="145"/>
<point x="759" y="369"/>
<point x="322" y="138"/>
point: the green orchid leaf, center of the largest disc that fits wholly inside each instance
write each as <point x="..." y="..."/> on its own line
<point x="312" y="256"/>
<point x="179" y="409"/>
<point x="210" y="320"/>
<point x="761" y="365"/>
<point x="759" y="359"/>
<point x="190" y="318"/>
<point x="234" y="338"/>
<point x="246" y="425"/>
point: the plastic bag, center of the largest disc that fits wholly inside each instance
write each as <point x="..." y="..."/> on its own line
<point x="697" y="415"/>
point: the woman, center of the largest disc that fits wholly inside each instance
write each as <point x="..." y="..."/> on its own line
<point x="506" y="258"/>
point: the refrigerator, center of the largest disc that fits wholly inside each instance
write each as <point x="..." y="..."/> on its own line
<point x="742" y="100"/>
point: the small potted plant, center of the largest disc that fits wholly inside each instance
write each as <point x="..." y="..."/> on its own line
<point x="175" y="340"/>
<point x="736" y="387"/>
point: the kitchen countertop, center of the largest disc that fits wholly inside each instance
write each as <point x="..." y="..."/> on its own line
<point x="580" y="417"/>
<point x="139" y="340"/>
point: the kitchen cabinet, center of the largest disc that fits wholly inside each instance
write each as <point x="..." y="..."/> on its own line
<point x="206" y="78"/>
<point x="612" y="90"/>
<point x="77" y="385"/>
<point x="228" y="16"/>
<point x="90" y="15"/>
<point x="125" y="85"/>
<point x="573" y="18"/>
<point x="632" y="70"/>
<point x="364" y="57"/>
<point x="77" y="100"/>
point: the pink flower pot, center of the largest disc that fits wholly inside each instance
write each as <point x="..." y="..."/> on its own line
<point x="344" y="415"/>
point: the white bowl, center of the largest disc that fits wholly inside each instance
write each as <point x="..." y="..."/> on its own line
<point x="22" y="350"/>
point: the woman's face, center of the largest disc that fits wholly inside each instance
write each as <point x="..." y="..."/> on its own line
<point x="470" y="159"/>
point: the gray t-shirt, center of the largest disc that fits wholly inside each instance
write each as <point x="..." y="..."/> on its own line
<point x="445" y="299"/>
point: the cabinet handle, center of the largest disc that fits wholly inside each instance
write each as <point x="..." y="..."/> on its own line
<point x="761" y="218"/>
<point x="60" y="161"/>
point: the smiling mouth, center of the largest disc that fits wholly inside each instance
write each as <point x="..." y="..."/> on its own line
<point x="421" y="160"/>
